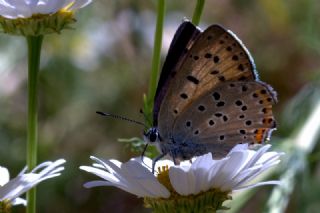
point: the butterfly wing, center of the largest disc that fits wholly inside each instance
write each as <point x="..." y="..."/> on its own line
<point x="234" y="112"/>
<point x="215" y="56"/>
<point x="181" y="42"/>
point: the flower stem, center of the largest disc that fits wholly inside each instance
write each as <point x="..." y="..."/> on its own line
<point x="34" y="50"/>
<point x="197" y="12"/>
<point x="148" y="105"/>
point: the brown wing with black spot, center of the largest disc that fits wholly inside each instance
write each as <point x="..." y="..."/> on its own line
<point x="216" y="56"/>
<point x="180" y="45"/>
<point x="234" y="112"/>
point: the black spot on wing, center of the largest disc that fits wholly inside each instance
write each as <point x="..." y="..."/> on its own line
<point x="193" y="79"/>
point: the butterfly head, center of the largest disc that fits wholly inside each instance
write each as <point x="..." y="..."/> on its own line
<point x="152" y="136"/>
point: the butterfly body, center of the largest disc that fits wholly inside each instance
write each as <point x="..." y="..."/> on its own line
<point x="209" y="97"/>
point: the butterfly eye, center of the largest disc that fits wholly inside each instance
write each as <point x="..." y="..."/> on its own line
<point x="152" y="136"/>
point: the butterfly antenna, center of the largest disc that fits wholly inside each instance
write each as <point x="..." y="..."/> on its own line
<point x="121" y="118"/>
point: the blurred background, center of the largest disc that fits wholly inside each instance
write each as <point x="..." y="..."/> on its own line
<point x="104" y="64"/>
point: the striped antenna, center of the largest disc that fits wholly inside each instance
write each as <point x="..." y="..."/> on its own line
<point x="120" y="117"/>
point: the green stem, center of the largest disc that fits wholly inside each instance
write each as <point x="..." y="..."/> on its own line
<point x="155" y="60"/>
<point x="197" y="12"/>
<point x="34" y="50"/>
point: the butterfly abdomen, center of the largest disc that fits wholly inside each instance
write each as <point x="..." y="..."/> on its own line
<point x="182" y="150"/>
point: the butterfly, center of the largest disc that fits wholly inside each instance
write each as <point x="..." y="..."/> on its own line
<point x="209" y="97"/>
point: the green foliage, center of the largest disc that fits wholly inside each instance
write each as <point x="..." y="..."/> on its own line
<point x="298" y="108"/>
<point x="137" y="145"/>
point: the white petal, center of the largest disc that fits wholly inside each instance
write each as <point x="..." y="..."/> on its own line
<point x="239" y="147"/>
<point x="79" y="4"/>
<point x="236" y="162"/>
<point x="215" y="168"/>
<point x="111" y="171"/>
<point x="4" y="3"/>
<point x="204" y="161"/>
<point x="241" y="178"/>
<point x="110" y="166"/>
<point x="201" y="168"/>
<point x="114" y="168"/>
<point x="40" y="166"/>
<point x="257" y="155"/>
<point x="230" y="168"/>
<point x="32" y="4"/>
<point x="23" y="182"/>
<point x="274" y="182"/>
<point x="100" y="173"/>
<point x="182" y="180"/>
<point x="21" y="7"/>
<point x="248" y="174"/>
<point x="8" y="11"/>
<point x="4" y="176"/>
<point x="4" y="6"/>
<point x="23" y="171"/>
<point x="96" y="183"/>
<point x="49" y="6"/>
<point x="132" y="177"/>
<point x="254" y="173"/>
<point x="50" y="168"/>
<point x="13" y="9"/>
<point x="14" y="188"/>
<point x="142" y="179"/>
<point x="19" y="201"/>
<point x="269" y="156"/>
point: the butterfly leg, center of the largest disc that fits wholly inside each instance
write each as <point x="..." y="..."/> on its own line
<point x="175" y="161"/>
<point x="143" y="152"/>
<point x="156" y="159"/>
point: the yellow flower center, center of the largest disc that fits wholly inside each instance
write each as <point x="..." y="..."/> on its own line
<point x="209" y="201"/>
<point x="163" y="178"/>
<point x="5" y="206"/>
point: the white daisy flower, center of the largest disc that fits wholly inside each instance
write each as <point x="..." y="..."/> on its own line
<point x="132" y="176"/>
<point x="13" y="9"/>
<point x="176" y="184"/>
<point x="38" y="17"/>
<point x="10" y="190"/>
